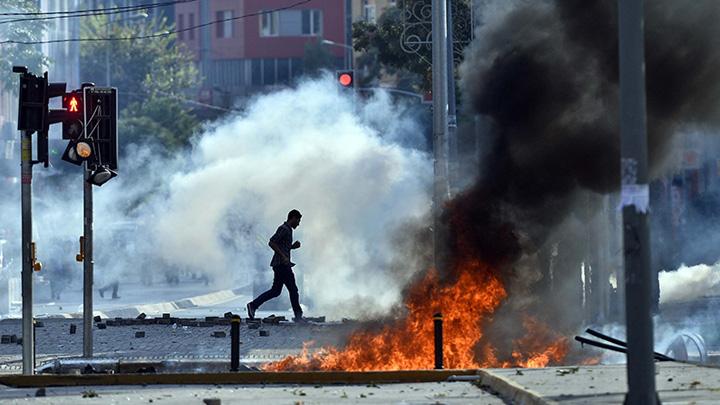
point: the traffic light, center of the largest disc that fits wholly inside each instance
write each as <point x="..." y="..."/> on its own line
<point x="34" y="114"/>
<point x="78" y="151"/>
<point x="101" y="175"/>
<point x="346" y="78"/>
<point x="73" y="104"/>
<point x="100" y="111"/>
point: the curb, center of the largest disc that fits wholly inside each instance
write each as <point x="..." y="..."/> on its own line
<point x="510" y="390"/>
<point x="245" y="377"/>
<point x="214" y="298"/>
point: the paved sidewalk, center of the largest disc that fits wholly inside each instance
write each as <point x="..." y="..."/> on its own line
<point x="420" y="393"/>
<point x="137" y="298"/>
<point x="677" y="383"/>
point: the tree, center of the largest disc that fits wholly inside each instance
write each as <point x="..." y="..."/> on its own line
<point x="316" y="58"/>
<point x="383" y="40"/>
<point x="19" y="54"/>
<point x="152" y="76"/>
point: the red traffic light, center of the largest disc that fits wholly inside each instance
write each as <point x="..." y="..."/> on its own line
<point x="345" y="78"/>
<point x="72" y="102"/>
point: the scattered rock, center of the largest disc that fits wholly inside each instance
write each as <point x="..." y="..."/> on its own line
<point x="219" y="334"/>
<point x="211" y="401"/>
<point x="97" y="318"/>
<point x="90" y="394"/>
<point x="73" y="328"/>
<point x="141" y="316"/>
<point x="264" y="333"/>
<point x="140" y="334"/>
<point x="40" y="392"/>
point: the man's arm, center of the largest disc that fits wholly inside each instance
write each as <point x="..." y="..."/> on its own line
<point x="277" y="250"/>
<point x="274" y="246"/>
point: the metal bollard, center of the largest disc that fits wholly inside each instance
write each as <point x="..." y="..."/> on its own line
<point x="438" y="322"/>
<point x="235" y="343"/>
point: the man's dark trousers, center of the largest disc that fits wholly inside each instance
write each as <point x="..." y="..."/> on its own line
<point x="283" y="276"/>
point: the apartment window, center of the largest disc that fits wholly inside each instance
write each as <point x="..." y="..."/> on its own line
<point x="181" y="26"/>
<point x="256" y="72"/>
<point x="368" y="11"/>
<point x="268" y="71"/>
<point x="269" y="24"/>
<point x="224" y="26"/>
<point x="289" y="23"/>
<point x="311" y="22"/>
<point x="283" y="71"/>
<point x="191" y="23"/>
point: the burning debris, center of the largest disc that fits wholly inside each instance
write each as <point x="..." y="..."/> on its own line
<point x="546" y="75"/>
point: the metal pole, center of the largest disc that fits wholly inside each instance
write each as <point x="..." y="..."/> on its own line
<point x="235" y="343"/>
<point x="27" y="265"/>
<point x="438" y="324"/>
<point x="87" y="264"/>
<point x="635" y="196"/>
<point x="440" y="104"/>
<point x="453" y="164"/>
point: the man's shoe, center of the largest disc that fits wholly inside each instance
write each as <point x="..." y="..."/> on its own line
<point x="300" y="319"/>
<point x="250" y="310"/>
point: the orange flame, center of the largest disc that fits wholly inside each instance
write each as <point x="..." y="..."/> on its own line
<point x="408" y="343"/>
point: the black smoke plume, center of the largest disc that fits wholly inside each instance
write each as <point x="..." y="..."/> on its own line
<point x="546" y="74"/>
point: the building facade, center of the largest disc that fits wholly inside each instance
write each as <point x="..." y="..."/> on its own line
<point x="251" y="51"/>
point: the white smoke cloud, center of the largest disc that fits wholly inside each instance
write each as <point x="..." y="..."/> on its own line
<point x="689" y="282"/>
<point x="306" y="149"/>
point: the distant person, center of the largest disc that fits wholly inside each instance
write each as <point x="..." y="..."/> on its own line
<point x="114" y="285"/>
<point x="282" y="243"/>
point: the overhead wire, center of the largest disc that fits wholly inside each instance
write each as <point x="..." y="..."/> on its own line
<point x="99" y="10"/>
<point x="159" y="34"/>
<point x="95" y="13"/>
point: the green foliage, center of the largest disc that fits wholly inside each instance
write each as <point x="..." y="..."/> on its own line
<point x="317" y="57"/>
<point x="381" y="40"/>
<point x="18" y="54"/>
<point x="151" y="75"/>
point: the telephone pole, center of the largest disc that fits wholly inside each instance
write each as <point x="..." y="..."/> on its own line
<point x="635" y="204"/>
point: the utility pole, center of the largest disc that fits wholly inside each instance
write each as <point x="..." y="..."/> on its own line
<point x="28" y="343"/>
<point x="440" y="119"/>
<point x="635" y="201"/>
<point x="453" y="163"/>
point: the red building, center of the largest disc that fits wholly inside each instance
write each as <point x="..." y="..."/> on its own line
<point x="251" y="50"/>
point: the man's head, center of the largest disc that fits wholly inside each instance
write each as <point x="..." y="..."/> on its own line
<point x="294" y="218"/>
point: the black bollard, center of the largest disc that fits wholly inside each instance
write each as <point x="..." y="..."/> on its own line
<point x="438" y="322"/>
<point x="235" y="343"/>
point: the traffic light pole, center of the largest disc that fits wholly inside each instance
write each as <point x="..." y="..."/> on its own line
<point x="28" y="339"/>
<point x="88" y="264"/>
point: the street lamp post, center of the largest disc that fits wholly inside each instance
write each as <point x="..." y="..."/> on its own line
<point x="348" y="54"/>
